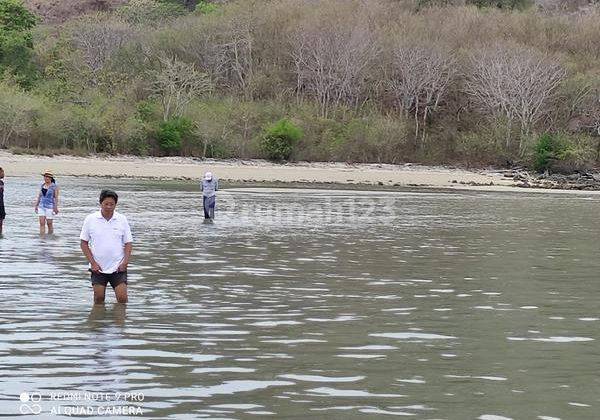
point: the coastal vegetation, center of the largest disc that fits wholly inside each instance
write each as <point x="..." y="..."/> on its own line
<point x="481" y="82"/>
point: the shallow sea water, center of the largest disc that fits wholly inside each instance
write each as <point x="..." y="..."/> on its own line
<point x="306" y="304"/>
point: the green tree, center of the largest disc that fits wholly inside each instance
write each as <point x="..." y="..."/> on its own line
<point x="548" y="147"/>
<point x="16" y="45"/>
<point x="14" y="17"/>
<point x="172" y="132"/>
<point x="278" y="139"/>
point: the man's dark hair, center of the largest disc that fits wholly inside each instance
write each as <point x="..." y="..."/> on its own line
<point x="104" y="194"/>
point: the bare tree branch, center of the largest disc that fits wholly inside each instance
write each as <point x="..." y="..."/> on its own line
<point x="332" y="63"/>
<point x="420" y="76"/>
<point x="515" y="83"/>
<point x="98" y="39"/>
<point x="176" y="83"/>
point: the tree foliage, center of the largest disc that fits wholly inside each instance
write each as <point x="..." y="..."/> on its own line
<point x="16" y="46"/>
<point x="14" y="17"/>
<point x="548" y="147"/>
<point x="279" y="138"/>
<point x="17" y="113"/>
<point x="171" y="133"/>
<point x="176" y="83"/>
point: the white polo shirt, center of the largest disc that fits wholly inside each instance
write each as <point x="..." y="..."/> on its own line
<point x="107" y="239"/>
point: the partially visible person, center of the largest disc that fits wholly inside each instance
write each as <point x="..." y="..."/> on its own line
<point x="106" y="242"/>
<point x="2" y="210"/>
<point x="209" y="187"/>
<point x="46" y="205"/>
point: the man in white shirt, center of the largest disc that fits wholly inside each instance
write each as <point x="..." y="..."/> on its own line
<point x="106" y="242"/>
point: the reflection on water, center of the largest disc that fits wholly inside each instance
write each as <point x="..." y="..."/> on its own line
<point x="299" y="303"/>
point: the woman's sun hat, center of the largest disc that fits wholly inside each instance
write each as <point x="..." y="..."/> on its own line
<point x="208" y="176"/>
<point x="48" y="173"/>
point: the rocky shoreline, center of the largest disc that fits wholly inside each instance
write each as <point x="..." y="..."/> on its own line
<point x="585" y="181"/>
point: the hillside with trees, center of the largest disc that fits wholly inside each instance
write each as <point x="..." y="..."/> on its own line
<point x="475" y="83"/>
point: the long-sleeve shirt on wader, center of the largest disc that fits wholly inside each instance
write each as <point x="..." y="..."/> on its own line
<point x="209" y="189"/>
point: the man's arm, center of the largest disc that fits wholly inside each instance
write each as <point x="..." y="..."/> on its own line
<point x="127" y="247"/>
<point x="85" y="247"/>
<point x="127" y="251"/>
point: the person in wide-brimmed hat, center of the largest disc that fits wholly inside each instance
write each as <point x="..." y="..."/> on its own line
<point x="46" y="205"/>
<point x="209" y="186"/>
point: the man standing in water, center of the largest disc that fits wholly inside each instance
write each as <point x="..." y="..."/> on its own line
<point x="209" y="186"/>
<point x="106" y="242"/>
<point x="2" y="211"/>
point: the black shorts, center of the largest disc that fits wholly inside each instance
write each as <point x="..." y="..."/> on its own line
<point x="114" y="279"/>
<point x="2" y="213"/>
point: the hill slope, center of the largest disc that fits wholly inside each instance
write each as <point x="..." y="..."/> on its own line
<point x="56" y="11"/>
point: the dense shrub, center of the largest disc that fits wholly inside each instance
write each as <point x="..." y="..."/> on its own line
<point x="557" y="153"/>
<point x="278" y="140"/>
<point x="171" y="133"/>
<point x="548" y="147"/>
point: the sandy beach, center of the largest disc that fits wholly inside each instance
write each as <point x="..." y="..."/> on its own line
<point x="256" y="171"/>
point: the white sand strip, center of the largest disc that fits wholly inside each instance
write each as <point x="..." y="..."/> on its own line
<point x="251" y="171"/>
